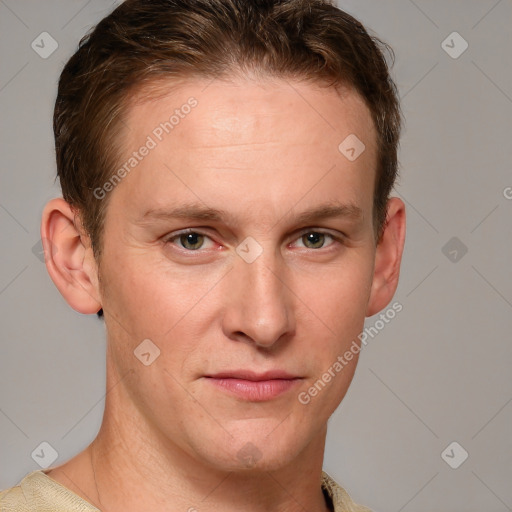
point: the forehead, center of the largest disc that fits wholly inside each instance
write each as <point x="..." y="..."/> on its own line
<point x="250" y="108"/>
<point x="261" y="141"/>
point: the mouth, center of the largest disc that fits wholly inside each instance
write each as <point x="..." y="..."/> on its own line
<point x="252" y="386"/>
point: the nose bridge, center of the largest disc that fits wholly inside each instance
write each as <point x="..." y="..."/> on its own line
<point x="263" y="276"/>
<point x="262" y="302"/>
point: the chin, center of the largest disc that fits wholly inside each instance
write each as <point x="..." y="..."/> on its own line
<point x="255" y="452"/>
<point x="249" y="459"/>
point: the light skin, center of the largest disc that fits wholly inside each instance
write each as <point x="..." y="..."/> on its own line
<point x="264" y="152"/>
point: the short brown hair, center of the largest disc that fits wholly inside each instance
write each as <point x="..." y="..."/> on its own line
<point x="145" y="41"/>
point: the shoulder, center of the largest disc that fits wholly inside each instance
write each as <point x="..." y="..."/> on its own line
<point x="38" y="492"/>
<point x="13" y="500"/>
<point x="341" y="500"/>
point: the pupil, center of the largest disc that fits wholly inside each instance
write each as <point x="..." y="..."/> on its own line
<point x="191" y="239"/>
<point x="314" y="238"/>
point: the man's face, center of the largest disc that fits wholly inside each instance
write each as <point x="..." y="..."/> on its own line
<point x="256" y="290"/>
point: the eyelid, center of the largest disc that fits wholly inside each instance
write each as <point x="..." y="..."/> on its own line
<point x="339" y="237"/>
<point x="312" y="229"/>
<point x="172" y="236"/>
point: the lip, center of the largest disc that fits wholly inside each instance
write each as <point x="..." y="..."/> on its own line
<point x="252" y="386"/>
<point x="253" y="376"/>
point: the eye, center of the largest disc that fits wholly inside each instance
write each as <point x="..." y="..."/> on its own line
<point x="315" y="239"/>
<point x="190" y="240"/>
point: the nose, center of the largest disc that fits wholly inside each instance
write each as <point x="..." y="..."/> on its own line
<point x="260" y="306"/>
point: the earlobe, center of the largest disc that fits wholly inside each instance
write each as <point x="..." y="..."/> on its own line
<point x="69" y="257"/>
<point x="388" y="257"/>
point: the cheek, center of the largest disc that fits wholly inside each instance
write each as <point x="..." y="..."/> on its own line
<point x="338" y="294"/>
<point x="331" y="323"/>
<point x="140" y="292"/>
<point x="331" y="320"/>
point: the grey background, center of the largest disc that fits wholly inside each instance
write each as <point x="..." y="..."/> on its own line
<point x="438" y="373"/>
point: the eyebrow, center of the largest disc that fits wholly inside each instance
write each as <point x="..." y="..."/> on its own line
<point x="197" y="211"/>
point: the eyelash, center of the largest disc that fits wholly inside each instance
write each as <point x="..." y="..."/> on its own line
<point x="338" y="239"/>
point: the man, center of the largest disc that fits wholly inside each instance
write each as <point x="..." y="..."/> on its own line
<point x="226" y="169"/>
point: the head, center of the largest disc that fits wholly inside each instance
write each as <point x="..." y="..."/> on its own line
<point x="301" y="40"/>
<point x="234" y="120"/>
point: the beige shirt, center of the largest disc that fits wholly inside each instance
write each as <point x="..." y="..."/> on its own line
<point x="37" y="492"/>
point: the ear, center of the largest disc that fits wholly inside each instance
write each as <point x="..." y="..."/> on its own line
<point x="69" y="257"/>
<point x="388" y="257"/>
